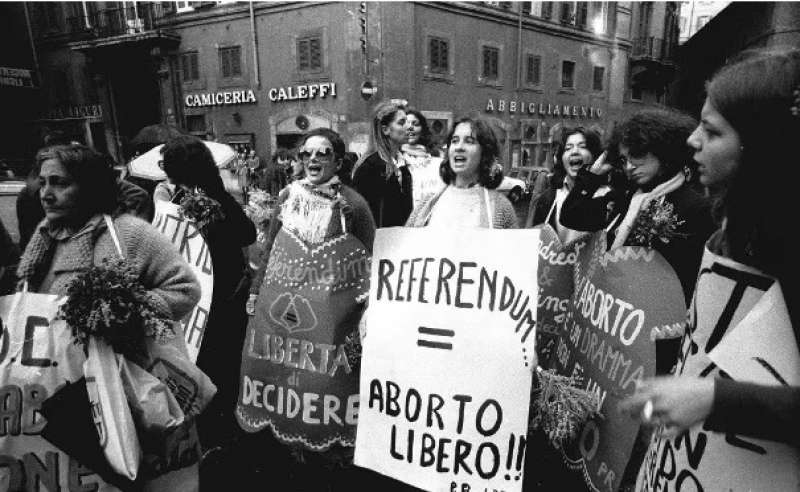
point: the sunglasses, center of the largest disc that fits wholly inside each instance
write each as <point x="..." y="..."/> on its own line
<point x="319" y="154"/>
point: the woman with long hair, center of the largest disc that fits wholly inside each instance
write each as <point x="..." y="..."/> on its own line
<point x="421" y="157"/>
<point x="742" y="145"/>
<point x="380" y="178"/>
<point x="471" y="174"/>
<point x="190" y="168"/>
<point x="577" y="149"/>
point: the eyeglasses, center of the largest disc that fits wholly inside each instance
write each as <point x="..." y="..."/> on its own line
<point x="319" y="154"/>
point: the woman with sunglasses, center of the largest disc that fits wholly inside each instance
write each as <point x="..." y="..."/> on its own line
<point x="381" y="178"/>
<point x="317" y="253"/>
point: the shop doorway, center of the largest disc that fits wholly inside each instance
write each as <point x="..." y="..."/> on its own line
<point x="287" y="140"/>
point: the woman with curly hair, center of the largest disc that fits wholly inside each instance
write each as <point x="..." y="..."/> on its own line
<point x="471" y="174"/>
<point x="381" y="178"/>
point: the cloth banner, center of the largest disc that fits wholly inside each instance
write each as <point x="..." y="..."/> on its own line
<point x="555" y="270"/>
<point x="296" y="376"/>
<point x="183" y="233"/>
<point x="37" y="357"/>
<point x="621" y="301"/>
<point x="448" y="357"/>
<point x="425" y="176"/>
<point x="739" y="328"/>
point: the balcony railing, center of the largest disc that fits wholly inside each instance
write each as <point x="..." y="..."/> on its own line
<point x="653" y="48"/>
<point x="115" y="22"/>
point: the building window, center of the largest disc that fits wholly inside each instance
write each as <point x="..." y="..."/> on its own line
<point x="533" y="70"/>
<point x="581" y="14"/>
<point x="230" y="62"/>
<point x="309" y="53"/>
<point x="567" y="13"/>
<point x="196" y="124"/>
<point x="189" y="69"/>
<point x="547" y="10"/>
<point x="567" y="74"/>
<point x="525" y="7"/>
<point x="600" y="17"/>
<point x="439" y="53"/>
<point x="645" y="12"/>
<point x="491" y="63"/>
<point x="598" y="76"/>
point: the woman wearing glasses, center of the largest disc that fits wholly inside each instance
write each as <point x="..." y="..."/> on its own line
<point x="312" y="295"/>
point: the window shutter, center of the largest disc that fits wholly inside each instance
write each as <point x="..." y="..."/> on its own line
<point x="315" y="53"/>
<point x="236" y="61"/>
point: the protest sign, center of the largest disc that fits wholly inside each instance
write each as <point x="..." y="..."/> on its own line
<point x="555" y="270"/>
<point x="296" y="376"/>
<point x="424" y="171"/>
<point x="37" y="358"/>
<point x="621" y="300"/>
<point x="183" y="233"/>
<point x="738" y="328"/>
<point x="448" y="357"/>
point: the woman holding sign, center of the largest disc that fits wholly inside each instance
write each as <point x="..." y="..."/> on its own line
<point x="299" y="371"/>
<point x="190" y="167"/>
<point x="739" y="382"/>
<point x="80" y="231"/>
<point x="470" y="172"/>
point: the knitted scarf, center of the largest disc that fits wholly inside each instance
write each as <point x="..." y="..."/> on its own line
<point x="414" y="156"/>
<point x="639" y="202"/>
<point x="308" y="210"/>
<point x="38" y="256"/>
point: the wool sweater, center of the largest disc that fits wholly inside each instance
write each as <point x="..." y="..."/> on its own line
<point x="503" y="215"/>
<point x="171" y="286"/>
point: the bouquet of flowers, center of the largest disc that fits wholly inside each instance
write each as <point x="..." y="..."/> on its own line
<point x="260" y="209"/>
<point x="199" y="207"/>
<point x="561" y="408"/>
<point x="109" y="302"/>
<point x="657" y="222"/>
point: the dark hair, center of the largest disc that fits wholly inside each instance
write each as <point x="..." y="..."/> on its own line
<point x="593" y="144"/>
<point x="425" y="134"/>
<point x="92" y="172"/>
<point x="755" y="94"/>
<point x="284" y="154"/>
<point x="658" y="131"/>
<point x="188" y="162"/>
<point x="346" y="171"/>
<point x="489" y="171"/>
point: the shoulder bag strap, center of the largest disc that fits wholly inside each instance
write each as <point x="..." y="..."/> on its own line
<point x="488" y="208"/>
<point x="113" y="231"/>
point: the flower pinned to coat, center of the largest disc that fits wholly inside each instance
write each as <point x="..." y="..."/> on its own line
<point x="108" y="301"/>
<point x="200" y="208"/>
<point x="656" y="223"/>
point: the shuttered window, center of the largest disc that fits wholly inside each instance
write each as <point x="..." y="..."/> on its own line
<point x="439" y="52"/>
<point x="491" y="63"/>
<point x="230" y="61"/>
<point x="189" y="68"/>
<point x="309" y="53"/>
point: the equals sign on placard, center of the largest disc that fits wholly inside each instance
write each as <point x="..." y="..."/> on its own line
<point x="436" y="332"/>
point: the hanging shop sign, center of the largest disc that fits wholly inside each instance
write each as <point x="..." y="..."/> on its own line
<point x="16" y="77"/>
<point x="75" y="111"/>
<point x="541" y="108"/>
<point x="308" y="91"/>
<point x="221" y="98"/>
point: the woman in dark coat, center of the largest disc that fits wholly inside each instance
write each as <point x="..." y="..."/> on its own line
<point x="189" y="165"/>
<point x="379" y="178"/>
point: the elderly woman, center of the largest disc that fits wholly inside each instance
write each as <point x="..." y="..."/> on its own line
<point x="77" y="190"/>
<point x="469" y="170"/>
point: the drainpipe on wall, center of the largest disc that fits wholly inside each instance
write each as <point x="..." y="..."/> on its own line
<point x="519" y="49"/>
<point x="30" y="38"/>
<point x="256" y="68"/>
